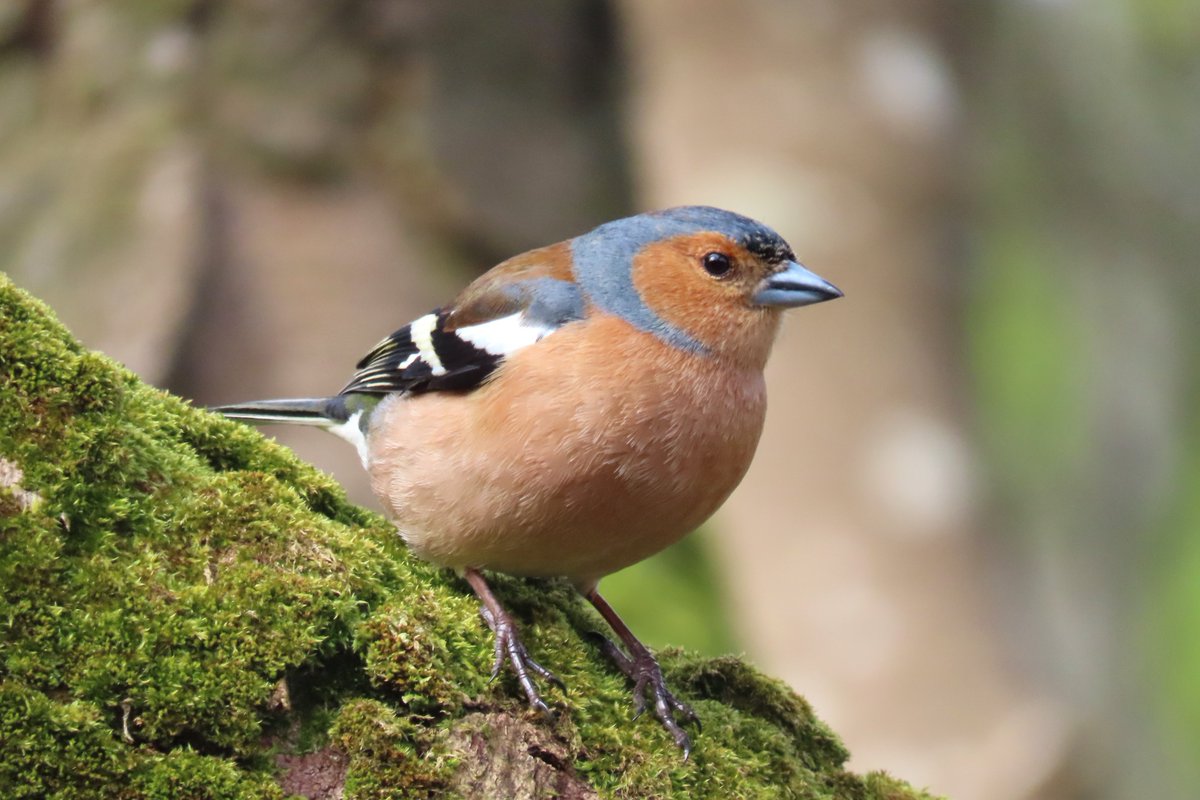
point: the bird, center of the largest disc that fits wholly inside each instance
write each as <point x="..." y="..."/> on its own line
<point x="574" y="410"/>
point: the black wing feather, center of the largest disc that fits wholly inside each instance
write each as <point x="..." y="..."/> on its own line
<point x="397" y="364"/>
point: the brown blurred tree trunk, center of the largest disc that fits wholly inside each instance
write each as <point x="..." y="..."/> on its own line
<point x="1085" y="336"/>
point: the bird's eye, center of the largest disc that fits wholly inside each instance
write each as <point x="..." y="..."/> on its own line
<point x="717" y="264"/>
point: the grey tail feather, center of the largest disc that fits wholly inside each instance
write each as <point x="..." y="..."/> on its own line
<point x="322" y="411"/>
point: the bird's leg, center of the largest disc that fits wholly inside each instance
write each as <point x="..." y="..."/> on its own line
<point x="642" y="668"/>
<point x="509" y="643"/>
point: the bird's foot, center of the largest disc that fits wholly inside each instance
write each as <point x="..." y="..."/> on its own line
<point x="642" y="668"/>
<point x="508" y="644"/>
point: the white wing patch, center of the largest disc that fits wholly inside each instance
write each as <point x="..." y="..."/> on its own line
<point x="504" y="336"/>
<point x="421" y="331"/>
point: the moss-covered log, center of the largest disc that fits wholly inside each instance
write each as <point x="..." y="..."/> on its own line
<point x="186" y="610"/>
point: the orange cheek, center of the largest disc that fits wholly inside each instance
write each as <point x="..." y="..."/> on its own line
<point x="674" y="286"/>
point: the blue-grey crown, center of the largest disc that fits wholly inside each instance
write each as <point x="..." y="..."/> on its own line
<point x="750" y="234"/>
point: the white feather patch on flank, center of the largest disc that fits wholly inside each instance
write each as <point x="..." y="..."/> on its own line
<point x="352" y="432"/>
<point x="503" y="336"/>
<point x="421" y="331"/>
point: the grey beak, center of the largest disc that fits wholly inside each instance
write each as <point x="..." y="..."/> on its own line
<point x="795" y="286"/>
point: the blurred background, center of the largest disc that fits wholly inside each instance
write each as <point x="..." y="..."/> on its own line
<point x="972" y="533"/>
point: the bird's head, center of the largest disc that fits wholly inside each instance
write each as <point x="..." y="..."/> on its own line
<point x="700" y="278"/>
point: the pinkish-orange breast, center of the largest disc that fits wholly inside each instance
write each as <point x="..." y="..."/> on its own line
<point x="578" y="458"/>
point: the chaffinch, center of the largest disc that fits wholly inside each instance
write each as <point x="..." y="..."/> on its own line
<point x="574" y="410"/>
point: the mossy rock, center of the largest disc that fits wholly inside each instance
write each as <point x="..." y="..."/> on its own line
<point x="187" y="611"/>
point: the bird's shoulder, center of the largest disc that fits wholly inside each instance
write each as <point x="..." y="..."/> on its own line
<point x="513" y="305"/>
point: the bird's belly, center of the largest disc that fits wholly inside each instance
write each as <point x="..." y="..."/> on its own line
<point x="571" y="483"/>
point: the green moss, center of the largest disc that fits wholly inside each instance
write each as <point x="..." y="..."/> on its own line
<point x="180" y="571"/>
<point x="184" y="773"/>
<point x="53" y="749"/>
<point x="389" y="753"/>
<point x="427" y="649"/>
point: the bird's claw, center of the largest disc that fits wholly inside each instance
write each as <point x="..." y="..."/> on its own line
<point x="508" y="643"/>
<point x="643" y="669"/>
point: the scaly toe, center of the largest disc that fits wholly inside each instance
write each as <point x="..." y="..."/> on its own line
<point x="507" y="642"/>
<point x="666" y="705"/>
<point x="544" y="673"/>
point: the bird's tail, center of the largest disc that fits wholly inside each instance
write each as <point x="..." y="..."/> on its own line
<point x="344" y="415"/>
<point x="324" y="412"/>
